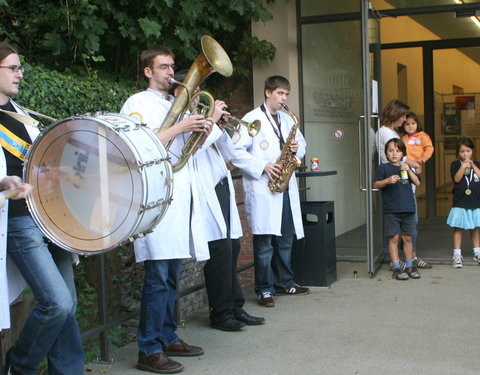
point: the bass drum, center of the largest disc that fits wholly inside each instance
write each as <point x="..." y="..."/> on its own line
<point x="98" y="182"/>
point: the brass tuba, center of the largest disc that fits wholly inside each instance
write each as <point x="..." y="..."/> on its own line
<point x="213" y="58"/>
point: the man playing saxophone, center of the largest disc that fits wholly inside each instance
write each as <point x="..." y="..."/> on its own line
<point x="274" y="218"/>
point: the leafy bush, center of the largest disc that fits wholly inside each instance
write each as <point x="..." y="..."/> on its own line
<point x="61" y="95"/>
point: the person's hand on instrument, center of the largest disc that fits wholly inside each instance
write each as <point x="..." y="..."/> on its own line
<point x="273" y="170"/>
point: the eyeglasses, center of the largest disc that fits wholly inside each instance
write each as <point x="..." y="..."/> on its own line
<point x="166" y="66"/>
<point x="14" y="68"/>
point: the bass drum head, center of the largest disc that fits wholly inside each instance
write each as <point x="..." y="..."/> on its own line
<point x="88" y="190"/>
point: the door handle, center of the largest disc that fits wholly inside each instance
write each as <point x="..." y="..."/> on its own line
<point x="362" y="163"/>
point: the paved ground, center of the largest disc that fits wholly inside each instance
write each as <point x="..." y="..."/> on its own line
<point x="357" y="326"/>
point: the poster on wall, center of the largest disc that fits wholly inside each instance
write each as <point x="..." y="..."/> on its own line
<point x="465" y="102"/>
<point x="451" y="119"/>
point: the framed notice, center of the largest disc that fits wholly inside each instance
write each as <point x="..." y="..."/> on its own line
<point x="451" y="119"/>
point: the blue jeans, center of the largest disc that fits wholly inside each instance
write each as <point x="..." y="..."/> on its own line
<point x="51" y="330"/>
<point x="157" y="327"/>
<point x="272" y="255"/>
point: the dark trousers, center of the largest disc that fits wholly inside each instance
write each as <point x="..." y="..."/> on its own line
<point x="225" y="295"/>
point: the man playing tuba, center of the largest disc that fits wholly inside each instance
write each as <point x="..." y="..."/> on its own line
<point x="163" y="250"/>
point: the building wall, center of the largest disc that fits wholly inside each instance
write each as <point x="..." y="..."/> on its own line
<point x="331" y="63"/>
<point x="282" y="32"/>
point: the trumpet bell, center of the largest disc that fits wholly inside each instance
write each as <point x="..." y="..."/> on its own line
<point x="254" y="127"/>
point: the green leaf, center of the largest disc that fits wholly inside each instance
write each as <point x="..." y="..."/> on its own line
<point x="150" y="27"/>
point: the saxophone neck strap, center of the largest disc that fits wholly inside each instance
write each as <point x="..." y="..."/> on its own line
<point x="276" y="129"/>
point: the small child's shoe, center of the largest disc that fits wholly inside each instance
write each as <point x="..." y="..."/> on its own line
<point x="399" y="274"/>
<point x="476" y="258"/>
<point x="457" y="261"/>
<point x="412" y="272"/>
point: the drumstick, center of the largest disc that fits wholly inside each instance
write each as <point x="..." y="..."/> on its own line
<point x="7" y="194"/>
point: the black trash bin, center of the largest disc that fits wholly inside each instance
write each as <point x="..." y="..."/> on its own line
<point x="314" y="257"/>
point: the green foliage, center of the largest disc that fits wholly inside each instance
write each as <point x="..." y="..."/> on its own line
<point x="108" y="35"/>
<point x="87" y="308"/>
<point x="62" y="95"/>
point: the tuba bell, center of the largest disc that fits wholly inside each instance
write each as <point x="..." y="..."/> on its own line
<point x="213" y="58"/>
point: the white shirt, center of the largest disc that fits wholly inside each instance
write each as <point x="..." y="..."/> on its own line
<point x="11" y="281"/>
<point x="181" y="232"/>
<point x="384" y="134"/>
<point x="264" y="208"/>
<point x="210" y="169"/>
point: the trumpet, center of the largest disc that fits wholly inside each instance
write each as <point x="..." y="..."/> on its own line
<point x="213" y="58"/>
<point x="233" y="124"/>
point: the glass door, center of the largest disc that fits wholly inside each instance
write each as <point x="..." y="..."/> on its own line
<point x="369" y="123"/>
<point x="337" y="89"/>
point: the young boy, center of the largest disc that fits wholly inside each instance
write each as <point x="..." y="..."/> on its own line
<point x="398" y="205"/>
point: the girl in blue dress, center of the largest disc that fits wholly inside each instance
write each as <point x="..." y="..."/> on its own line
<point x="465" y="213"/>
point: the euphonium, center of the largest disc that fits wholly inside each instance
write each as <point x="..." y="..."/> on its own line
<point x="212" y="59"/>
<point x="287" y="160"/>
<point x="234" y="124"/>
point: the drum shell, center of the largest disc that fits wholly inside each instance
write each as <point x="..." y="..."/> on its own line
<point x="98" y="182"/>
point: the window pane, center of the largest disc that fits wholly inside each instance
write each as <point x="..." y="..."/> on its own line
<point x="321" y="7"/>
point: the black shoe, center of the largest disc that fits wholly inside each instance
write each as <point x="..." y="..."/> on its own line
<point x="249" y="320"/>
<point x="230" y="324"/>
<point x="296" y="290"/>
<point x="8" y="369"/>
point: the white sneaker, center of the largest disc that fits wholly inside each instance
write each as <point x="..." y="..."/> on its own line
<point x="476" y="258"/>
<point x="457" y="261"/>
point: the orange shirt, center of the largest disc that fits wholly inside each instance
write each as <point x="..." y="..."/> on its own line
<point x="419" y="146"/>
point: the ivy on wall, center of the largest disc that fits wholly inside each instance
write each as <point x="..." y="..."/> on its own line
<point x="61" y="95"/>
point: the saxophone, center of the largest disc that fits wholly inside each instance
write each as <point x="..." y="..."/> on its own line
<point x="288" y="161"/>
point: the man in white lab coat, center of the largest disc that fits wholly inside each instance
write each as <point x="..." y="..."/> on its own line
<point x="274" y="218"/>
<point x="179" y="235"/>
<point x="223" y="227"/>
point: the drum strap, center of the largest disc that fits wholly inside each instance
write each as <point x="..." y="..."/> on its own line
<point x="13" y="144"/>
<point x="24" y="119"/>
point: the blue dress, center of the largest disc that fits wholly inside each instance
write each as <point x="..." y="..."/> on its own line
<point x="465" y="213"/>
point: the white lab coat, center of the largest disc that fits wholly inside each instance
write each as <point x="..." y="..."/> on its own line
<point x="264" y="208"/>
<point x="11" y="281"/>
<point x="179" y="234"/>
<point x="206" y="160"/>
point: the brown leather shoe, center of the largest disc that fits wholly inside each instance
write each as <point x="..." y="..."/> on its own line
<point x="182" y="349"/>
<point x="159" y="363"/>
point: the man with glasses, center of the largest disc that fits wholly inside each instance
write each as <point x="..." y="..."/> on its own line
<point x="179" y="235"/>
<point x="51" y="329"/>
